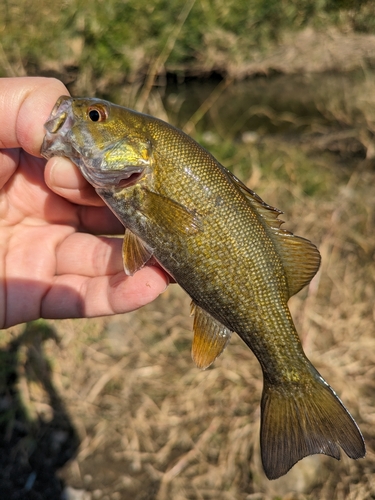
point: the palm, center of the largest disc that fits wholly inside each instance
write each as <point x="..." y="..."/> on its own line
<point x="52" y="266"/>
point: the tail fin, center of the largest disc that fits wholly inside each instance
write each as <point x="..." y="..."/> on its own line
<point x="304" y="419"/>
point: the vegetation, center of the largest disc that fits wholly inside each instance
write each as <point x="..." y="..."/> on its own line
<point x="111" y="41"/>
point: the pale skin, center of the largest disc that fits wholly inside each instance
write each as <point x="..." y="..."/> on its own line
<point x="53" y="261"/>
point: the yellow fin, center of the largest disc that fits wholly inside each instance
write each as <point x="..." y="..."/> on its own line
<point x="166" y="212"/>
<point x="300" y="257"/>
<point x="210" y="337"/>
<point x="301" y="419"/>
<point x="135" y="253"/>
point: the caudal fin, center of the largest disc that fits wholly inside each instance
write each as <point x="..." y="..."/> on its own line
<point x="304" y="419"/>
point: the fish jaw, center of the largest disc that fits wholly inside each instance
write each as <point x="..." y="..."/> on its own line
<point x="67" y="135"/>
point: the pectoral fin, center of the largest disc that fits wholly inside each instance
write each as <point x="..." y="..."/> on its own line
<point x="210" y="337"/>
<point x="135" y="253"/>
<point x="166" y="212"/>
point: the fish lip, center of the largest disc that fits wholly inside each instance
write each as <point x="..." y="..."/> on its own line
<point x="62" y="103"/>
<point x="59" y="114"/>
<point x="57" y="129"/>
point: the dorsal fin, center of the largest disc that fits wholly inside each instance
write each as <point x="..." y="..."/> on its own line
<point x="268" y="213"/>
<point x="300" y="257"/>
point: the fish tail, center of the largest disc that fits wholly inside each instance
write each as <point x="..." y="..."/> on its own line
<point x="304" y="418"/>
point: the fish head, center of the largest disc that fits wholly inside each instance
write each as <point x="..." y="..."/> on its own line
<point x="107" y="143"/>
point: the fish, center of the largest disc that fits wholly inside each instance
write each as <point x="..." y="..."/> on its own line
<point x="225" y="247"/>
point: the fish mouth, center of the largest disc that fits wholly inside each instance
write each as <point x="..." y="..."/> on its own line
<point x="131" y="180"/>
<point x="58" y="114"/>
<point x="56" y="141"/>
<point x="115" y="178"/>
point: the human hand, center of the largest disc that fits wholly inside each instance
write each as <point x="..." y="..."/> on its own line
<point x="53" y="264"/>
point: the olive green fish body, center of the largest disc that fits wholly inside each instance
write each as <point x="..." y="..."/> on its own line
<point x="241" y="299"/>
<point x="225" y="247"/>
<point x="215" y="264"/>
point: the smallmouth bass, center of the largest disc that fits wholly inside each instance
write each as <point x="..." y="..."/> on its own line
<point x="224" y="245"/>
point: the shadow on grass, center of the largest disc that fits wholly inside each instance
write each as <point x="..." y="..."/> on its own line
<point x="32" y="447"/>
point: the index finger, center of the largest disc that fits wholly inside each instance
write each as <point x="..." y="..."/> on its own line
<point x="26" y="104"/>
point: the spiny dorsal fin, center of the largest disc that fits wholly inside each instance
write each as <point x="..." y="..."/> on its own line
<point x="210" y="337"/>
<point x="135" y="253"/>
<point x="300" y="257"/>
<point x="268" y="213"/>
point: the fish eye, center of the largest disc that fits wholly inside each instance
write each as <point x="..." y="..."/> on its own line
<point x="97" y="114"/>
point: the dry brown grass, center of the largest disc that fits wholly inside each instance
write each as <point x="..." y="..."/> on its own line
<point x="151" y="425"/>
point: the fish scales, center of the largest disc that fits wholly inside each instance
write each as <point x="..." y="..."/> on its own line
<point x="225" y="247"/>
<point x="248" y="243"/>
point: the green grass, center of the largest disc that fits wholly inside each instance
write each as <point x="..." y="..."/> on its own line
<point x="115" y="41"/>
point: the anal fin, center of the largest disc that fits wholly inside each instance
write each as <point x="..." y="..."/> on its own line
<point x="135" y="253"/>
<point x="210" y="337"/>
